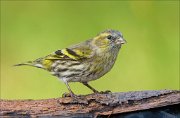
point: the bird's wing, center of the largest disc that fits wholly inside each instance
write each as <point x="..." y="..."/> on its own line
<point x="77" y="52"/>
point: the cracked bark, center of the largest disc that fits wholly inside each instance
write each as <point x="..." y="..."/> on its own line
<point x="91" y="105"/>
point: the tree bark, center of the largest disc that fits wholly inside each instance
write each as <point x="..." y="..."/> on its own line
<point x="91" y="105"/>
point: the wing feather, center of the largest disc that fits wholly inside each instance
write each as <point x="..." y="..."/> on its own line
<point x="77" y="52"/>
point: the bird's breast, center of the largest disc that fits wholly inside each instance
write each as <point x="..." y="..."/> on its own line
<point x="99" y="66"/>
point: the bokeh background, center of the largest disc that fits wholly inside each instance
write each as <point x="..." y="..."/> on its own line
<point x="31" y="29"/>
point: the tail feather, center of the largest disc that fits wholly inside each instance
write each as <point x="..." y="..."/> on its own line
<point x="30" y="63"/>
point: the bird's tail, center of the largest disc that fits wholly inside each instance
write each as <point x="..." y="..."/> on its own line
<point x="31" y="63"/>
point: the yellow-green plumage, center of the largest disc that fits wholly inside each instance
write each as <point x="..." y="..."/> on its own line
<point x="83" y="62"/>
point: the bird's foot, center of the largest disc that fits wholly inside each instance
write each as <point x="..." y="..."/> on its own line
<point x="104" y="92"/>
<point x="69" y="95"/>
<point x="74" y="98"/>
<point x="66" y="95"/>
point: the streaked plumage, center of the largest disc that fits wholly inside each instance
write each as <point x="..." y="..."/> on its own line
<point x="83" y="62"/>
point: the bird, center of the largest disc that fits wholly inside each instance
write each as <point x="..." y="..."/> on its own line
<point x="83" y="62"/>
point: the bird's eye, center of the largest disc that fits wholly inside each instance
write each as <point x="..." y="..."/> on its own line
<point x="109" y="37"/>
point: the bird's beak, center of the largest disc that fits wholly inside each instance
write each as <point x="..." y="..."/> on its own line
<point x="121" y="41"/>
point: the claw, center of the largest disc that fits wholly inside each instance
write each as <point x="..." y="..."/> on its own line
<point x="69" y="95"/>
<point x="66" y="95"/>
<point x="105" y="92"/>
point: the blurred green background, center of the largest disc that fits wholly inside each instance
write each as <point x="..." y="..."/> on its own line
<point x="31" y="29"/>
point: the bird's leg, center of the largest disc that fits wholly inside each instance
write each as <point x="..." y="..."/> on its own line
<point x="75" y="99"/>
<point x="94" y="90"/>
<point x="90" y="87"/>
<point x="71" y="93"/>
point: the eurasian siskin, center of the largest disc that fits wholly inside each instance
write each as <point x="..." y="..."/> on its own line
<point x="83" y="62"/>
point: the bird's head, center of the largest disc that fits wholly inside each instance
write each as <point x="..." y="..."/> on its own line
<point x="109" y="38"/>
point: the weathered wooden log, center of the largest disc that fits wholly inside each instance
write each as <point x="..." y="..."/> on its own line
<point x="91" y="105"/>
